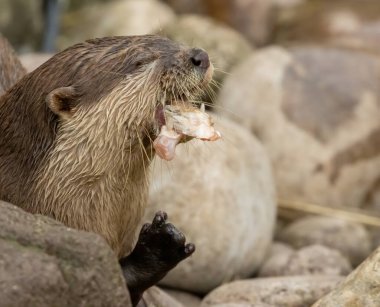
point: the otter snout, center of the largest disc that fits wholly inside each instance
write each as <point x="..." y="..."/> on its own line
<point x="199" y="58"/>
<point x="201" y="62"/>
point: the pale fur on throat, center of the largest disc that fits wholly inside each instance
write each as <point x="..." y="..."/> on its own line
<point x="95" y="178"/>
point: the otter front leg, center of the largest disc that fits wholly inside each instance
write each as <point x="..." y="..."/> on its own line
<point x="160" y="248"/>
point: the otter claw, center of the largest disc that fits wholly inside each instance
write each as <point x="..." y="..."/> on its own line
<point x="145" y="228"/>
<point x="189" y="249"/>
<point x="159" y="219"/>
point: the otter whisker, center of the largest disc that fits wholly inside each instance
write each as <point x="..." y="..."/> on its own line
<point x="142" y="150"/>
<point x="221" y="71"/>
<point x="211" y="89"/>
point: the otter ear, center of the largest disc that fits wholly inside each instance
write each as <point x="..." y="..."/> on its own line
<point x="62" y="101"/>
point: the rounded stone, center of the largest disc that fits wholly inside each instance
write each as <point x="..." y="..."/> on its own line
<point x="316" y="110"/>
<point x="276" y="260"/>
<point x="187" y="299"/>
<point x="221" y="195"/>
<point x="310" y="260"/>
<point x="351" y="239"/>
<point x="290" y="291"/>
<point x="154" y="296"/>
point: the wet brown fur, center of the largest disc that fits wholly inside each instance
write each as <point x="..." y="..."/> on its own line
<point x="86" y="165"/>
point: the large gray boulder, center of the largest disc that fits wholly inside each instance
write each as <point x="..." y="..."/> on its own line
<point x="46" y="264"/>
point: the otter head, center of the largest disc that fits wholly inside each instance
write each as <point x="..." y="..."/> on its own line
<point x="122" y="83"/>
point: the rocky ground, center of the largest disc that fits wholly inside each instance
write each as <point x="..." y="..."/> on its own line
<point x="298" y="103"/>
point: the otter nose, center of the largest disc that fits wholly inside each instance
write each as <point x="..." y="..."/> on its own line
<point x="199" y="58"/>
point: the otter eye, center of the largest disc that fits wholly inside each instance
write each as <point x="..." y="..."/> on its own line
<point x="138" y="64"/>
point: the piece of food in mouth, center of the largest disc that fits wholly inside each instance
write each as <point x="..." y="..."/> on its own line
<point x="183" y="121"/>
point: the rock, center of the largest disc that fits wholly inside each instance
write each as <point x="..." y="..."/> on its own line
<point x="225" y="46"/>
<point x="317" y="112"/>
<point x="187" y="299"/>
<point x="221" y="195"/>
<point x="32" y="60"/>
<point x="351" y="239"/>
<point x="129" y="17"/>
<point x="346" y="23"/>
<point x="253" y="18"/>
<point x="292" y="291"/>
<point x="276" y="259"/>
<point x="279" y="248"/>
<point x="310" y="260"/>
<point x="155" y="297"/>
<point x="360" y="288"/>
<point x="44" y="263"/>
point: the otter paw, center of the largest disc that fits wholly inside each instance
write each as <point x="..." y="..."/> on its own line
<point x="160" y="248"/>
<point x="163" y="241"/>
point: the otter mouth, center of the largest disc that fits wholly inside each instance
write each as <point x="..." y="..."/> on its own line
<point x="180" y="121"/>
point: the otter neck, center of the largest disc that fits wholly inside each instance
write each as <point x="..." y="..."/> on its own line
<point x="27" y="132"/>
<point x="95" y="177"/>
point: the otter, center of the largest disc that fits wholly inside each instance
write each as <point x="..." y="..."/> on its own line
<point x="76" y="143"/>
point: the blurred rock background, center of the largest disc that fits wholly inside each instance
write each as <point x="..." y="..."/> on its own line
<point x="289" y="200"/>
